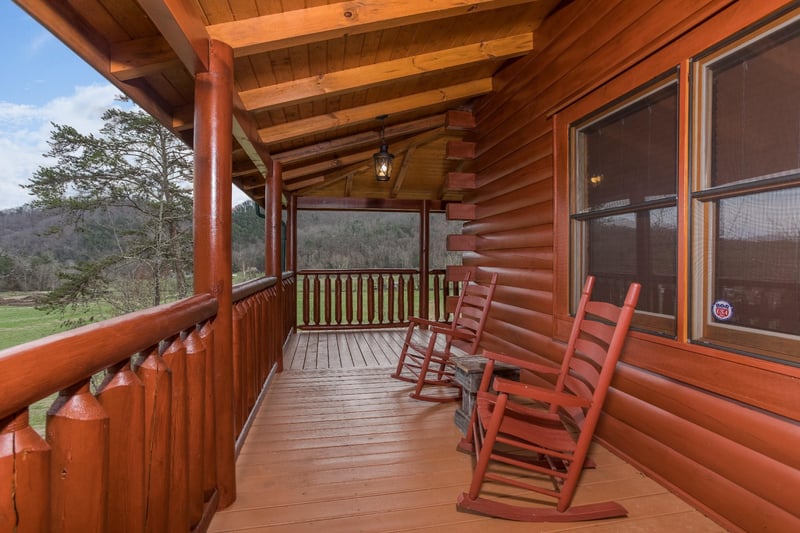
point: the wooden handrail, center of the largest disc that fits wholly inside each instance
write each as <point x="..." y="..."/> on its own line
<point x="248" y="288"/>
<point x="45" y="366"/>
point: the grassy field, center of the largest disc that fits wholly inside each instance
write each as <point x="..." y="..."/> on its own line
<point x="22" y="324"/>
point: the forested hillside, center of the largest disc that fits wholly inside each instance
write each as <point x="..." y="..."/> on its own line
<point x="34" y="247"/>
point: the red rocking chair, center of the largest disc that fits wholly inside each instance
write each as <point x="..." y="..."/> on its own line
<point x="423" y="363"/>
<point x="522" y="433"/>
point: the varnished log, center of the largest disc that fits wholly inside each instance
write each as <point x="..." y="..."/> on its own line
<point x="77" y="431"/>
<point x="457" y="150"/>
<point x="212" y="183"/>
<point x="157" y="379"/>
<point x="122" y="396"/>
<point x="461" y="181"/>
<point x="458" y="211"/>
<point x="24" y="477"/>
<point x="174" y="357"/>
<point x="206" y="331"/>
<point x="196" y="395"/>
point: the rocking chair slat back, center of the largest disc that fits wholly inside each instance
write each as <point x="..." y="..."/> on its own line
<point x="424" y="363"/>
<point x="505" y="429"/>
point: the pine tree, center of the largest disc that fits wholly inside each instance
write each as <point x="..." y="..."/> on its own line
<point x="135" y="178"/>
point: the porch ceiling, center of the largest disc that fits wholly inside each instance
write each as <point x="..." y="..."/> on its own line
<point x="311" y="76"/>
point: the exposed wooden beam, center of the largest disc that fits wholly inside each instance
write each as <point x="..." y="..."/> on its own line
<point x="347" y="204"/>
<point x="359" y="140"/>
<point x="401" y="174"/>
<point x="181" y="24"/>
<point x="335" y="83"/>
<point x="304" y="26"/>
<point x="358" y="115"/>
<point x="325" y="166"/>
<point x="141" y="57"/>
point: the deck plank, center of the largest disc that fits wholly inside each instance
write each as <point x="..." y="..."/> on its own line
<point x="339" y="446"/>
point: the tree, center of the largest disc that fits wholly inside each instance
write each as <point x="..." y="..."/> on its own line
<point x="130" y="185"/>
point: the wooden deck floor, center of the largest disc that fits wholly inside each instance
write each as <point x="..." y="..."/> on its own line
<point x="338" y="446"/>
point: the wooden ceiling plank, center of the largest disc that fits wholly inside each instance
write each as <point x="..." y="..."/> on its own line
<point x="304" y="26"/>
<point x="181" y="24"/>
<point x="364" y="77"/>
<point x="358" y="115"/>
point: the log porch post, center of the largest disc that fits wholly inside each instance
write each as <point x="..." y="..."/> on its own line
<point x="424" y="256"/>
<point x="291" y="250"/>
<point x="272" y="266"/>
<point x="213" y="116"/>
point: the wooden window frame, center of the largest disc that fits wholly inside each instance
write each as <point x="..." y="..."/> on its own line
<point x="774" y="346"/>
<point x="651" y="322"/>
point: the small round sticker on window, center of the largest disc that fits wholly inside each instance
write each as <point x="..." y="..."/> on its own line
<point x="722" y="310"/>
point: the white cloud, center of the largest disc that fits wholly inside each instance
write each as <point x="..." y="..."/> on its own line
<point x="25" y="130"/>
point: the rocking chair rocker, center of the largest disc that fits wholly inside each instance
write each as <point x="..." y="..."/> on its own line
<point x="521" y="432"/>
<point x="421" y="362"/>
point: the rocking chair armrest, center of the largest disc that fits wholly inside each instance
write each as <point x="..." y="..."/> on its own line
<point x="415" y="320"/>
<point x="452" y="332"/>
<point x="563" y="399"/>
<point x="527" y="365"/>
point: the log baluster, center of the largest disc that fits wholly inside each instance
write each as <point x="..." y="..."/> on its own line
<point x="175" y="357"/>
<point x="401" y="290"/>
<point x="437" y="315"/>
<point x="360" y="299"/>
<point x="338" y="299"/>
<point x="206" y="332"/>
<point x="316" y="300"/>
<point x="411" y="302"/>
<point x="156" y="376"/>
<point x="349" y="298"/>
<point x="328" y="300"/>
<point x="196" y="394"/>
<point x="390" y="303"/>
<point x="122" y="396"/>
<point x="381" y="288"/>
<point x="306" y="307"/>
<point x="24" y="476"/>
<point x="239" y="376"/>
<point x="370" y="299"/>
<point x="77" y="431"/>
<point x="253" y="362"/>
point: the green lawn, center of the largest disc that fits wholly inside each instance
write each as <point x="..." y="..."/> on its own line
<point x="23" y="324"/>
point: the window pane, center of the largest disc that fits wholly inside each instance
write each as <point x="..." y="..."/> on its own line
<point x="637" y="247"/>
<point x="757" y="261"/>
<point x="755" y="109"/>
<point x="630" y="156"/>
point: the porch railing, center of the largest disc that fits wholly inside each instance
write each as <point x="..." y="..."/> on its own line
<point x="130" y="439"/>
<point x="368" y="298"/>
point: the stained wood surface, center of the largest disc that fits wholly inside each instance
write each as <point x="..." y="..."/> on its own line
<point x="339" y="446"/>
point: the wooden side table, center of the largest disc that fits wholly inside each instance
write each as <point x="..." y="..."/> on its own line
<point x="469" y="371"/>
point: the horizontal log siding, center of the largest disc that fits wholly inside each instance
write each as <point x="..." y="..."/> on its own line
<point x="719" y="429"/>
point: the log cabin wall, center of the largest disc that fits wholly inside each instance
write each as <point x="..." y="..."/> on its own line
<point x="720" y="429"/>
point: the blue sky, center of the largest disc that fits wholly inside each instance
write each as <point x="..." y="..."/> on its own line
<point x="43" y="82"/>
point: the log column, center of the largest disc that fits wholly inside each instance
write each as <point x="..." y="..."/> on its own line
<point x="291" y="253"/>
<point x="424" y="257"/>
<point x="212" y="239"/>
<point x="272" y="267"/>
